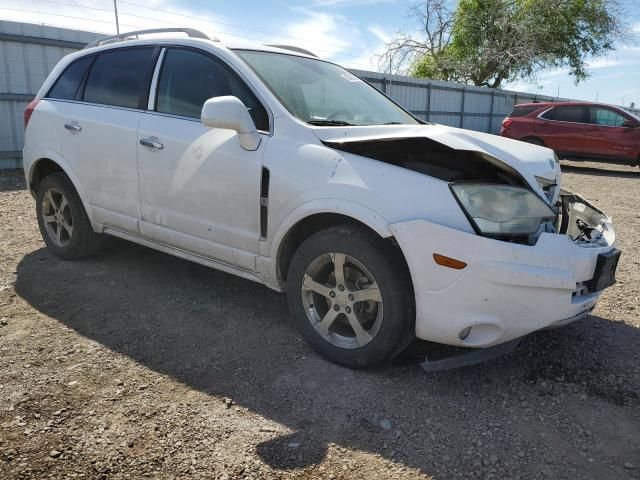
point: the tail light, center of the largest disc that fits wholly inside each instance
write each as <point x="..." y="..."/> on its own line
<point x="29" y="110"/>
<point x="506" y="122"/>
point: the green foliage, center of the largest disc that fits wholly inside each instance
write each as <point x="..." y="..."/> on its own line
<point x="492" y="41"/>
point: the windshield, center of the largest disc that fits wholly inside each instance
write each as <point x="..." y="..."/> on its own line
<point x="321" y="93"/>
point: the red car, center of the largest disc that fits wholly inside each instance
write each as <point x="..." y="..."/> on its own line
<point x="577" y="130"/>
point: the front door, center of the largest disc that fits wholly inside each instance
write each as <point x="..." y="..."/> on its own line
<point x="199" y="189"/>
<point x="608" y="136"/>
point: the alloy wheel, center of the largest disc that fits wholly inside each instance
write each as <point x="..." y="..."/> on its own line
<point x="342" y="300"/>
<point x="56" y="216"/>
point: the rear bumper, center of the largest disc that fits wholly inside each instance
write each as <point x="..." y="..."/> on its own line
<point x="506" y="290"/>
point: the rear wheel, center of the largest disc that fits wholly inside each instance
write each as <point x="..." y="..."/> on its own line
<point x="351" y="297"/>
<point x="63" y="222"/>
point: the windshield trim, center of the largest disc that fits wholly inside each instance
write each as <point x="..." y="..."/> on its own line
<point x="419" y="121"/>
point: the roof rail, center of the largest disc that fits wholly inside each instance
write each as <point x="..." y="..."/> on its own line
<point x="191" y="32"/>
<point x="292" y="48"/>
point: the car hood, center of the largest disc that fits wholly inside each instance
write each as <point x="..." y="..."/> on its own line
<point x="535" y="164"/>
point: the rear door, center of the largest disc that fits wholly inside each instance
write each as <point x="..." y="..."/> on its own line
<point x="608" y="136"/>
<point x="99" y="132"/>
<point x="199" y="188"/>
<point x="563" y="128"/>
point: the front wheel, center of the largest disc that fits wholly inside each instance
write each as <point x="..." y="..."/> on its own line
<point x="351" y="297"/>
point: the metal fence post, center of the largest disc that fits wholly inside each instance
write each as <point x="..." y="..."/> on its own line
<point x="493" y="96"/>
<point x="464" y="91"/>
<point x="428" y="109"/>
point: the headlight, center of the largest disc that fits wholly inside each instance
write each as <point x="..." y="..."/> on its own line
<point x="502" y="209"/>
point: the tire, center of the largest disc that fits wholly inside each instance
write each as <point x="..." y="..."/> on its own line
<point x="324" y="314"/>
<point x="63" y="222"/>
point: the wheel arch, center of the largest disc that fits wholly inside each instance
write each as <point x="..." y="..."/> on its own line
<point x="48" y="164"/>
<point x="534" y="139"/>
<point x="297" y="230"/>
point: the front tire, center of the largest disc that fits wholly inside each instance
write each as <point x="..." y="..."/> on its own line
<point x="350" y="296"/>
<point x="63" y="222"/>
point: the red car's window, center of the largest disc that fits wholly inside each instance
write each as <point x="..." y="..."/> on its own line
<point x="574" y="114"/>
<point x="521" y="111"/>
<point x="606" y="116"/>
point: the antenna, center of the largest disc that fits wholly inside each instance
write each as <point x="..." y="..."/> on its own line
<point x="115" y="8"/>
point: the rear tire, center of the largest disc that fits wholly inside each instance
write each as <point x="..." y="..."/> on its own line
<point x="361" y="317"/>
<point x="63" y="222"/>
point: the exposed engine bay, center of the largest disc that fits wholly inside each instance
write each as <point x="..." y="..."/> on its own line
<point x="577" y="218"/>
<point x="584" y="224"/>
<point x="429" y="157"/>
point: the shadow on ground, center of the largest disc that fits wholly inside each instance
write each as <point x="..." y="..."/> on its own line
<point x="11" y="180"/>
<point x="230" y="337"/>
<point x="601" y="171"/>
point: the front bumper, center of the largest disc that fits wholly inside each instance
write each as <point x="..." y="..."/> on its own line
<point x="507" y="290"/>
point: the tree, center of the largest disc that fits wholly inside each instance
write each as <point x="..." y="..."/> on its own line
<point x="488" y="42"/>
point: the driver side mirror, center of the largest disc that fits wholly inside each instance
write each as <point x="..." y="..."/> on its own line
<point x="629" y="124"/>
<point x="230" y="113"/>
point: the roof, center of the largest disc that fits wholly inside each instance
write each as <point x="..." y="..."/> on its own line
<point x="192" y="34"/>
<point x="565" y="104"/>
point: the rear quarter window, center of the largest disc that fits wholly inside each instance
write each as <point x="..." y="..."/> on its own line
<point x="120" y="78"/>
<point x="524" y="110"/>
<point x="67" y="85"/>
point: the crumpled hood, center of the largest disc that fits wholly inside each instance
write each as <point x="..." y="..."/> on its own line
<point x="529" y="160"/>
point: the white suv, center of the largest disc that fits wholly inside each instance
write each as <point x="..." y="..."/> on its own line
<point x="271" y="164"/>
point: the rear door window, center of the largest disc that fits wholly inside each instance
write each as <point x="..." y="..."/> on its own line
<point x="573" y="114"/>
<point x="120" y="78"/>
<point x="188" y="79"/>
<point x="67" y="85"/>
<point x="606" y="117"/>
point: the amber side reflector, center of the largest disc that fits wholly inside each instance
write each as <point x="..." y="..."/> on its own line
<point x="448" y="262"/>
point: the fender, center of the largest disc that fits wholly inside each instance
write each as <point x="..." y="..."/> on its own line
<point x="270" y="250"/>
<point x="66" y="168"/>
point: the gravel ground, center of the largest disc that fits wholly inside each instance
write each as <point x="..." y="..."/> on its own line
<point x="137" y="364"/>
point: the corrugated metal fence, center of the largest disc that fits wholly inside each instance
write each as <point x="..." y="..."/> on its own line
<point x="29" y="52"/>
<point x="464" y="106"/>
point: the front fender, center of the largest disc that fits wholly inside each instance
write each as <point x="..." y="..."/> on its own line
<point x="270" y="250"/>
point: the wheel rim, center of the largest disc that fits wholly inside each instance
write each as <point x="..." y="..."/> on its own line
<point x="342" y="300"/>
<point x="56" y="216"/>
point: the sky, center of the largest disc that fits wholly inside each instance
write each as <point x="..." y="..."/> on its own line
<point x="349" y="32"/>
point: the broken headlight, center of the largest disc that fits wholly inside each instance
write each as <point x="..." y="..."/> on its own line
<point x="502" y="210"/>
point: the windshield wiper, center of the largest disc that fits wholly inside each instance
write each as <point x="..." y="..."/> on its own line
<point x="392" y="123"/>
<point x="330" y="123"/>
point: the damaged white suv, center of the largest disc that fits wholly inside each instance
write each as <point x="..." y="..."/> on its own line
<point x="271" y="164"/>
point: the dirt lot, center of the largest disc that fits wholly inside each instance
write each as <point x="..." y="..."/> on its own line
<point x="137" y="364"/>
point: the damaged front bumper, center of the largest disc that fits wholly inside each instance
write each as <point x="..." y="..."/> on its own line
<point x="507" y="290"/>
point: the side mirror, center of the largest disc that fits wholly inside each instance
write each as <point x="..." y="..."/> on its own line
<point x="229" y="112"/>
<point x="629" y="124"/>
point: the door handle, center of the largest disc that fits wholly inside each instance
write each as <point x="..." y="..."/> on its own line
<point x="146" y="142"/>
<point x="73" y="126"/>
